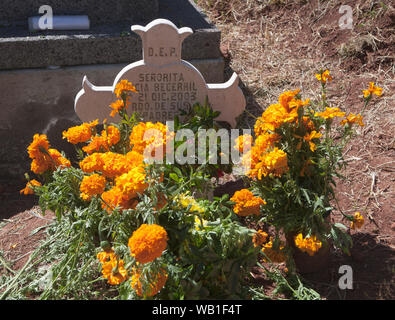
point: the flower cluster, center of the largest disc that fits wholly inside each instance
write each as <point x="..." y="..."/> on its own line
<point x="146" y="244"/>
<point x="291" y="164"/>
<point x="310" y="245"/>
<point x="246" y="203"/>
<point x="265" y="158"/>
<point x="285" y="111"/>
<point x="114" y="171"/>
<point x="126" y="173"/>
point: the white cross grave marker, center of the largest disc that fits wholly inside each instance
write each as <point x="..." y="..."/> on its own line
<point x="165" y="83"/>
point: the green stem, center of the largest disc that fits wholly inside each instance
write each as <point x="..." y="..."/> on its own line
<point x="26" y="267"/>
<point x="6" y="265"/>
<point x="366" y="103"/>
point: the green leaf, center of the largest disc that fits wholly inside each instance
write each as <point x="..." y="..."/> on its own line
<point x="306" y="195"/>
<point x="174" y="176"/>
<point x="340" y="225"/>
<point x="37" y="230"/>
<point x="178" y="171"/>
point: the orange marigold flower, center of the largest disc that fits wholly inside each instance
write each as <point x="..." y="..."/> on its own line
<point x="97" y="144"/>
<point x="81" y="133"/>
<point x="285" y="111"/>
<point x="150" y="288"/>
<point x="114" y="198"/>
<point x="91" y="163"/>
<point x="147" y="137"/>
<point x="132" y="183"/>
<point x="259" y="238"/>
<point x="135" y="159"/>
<point x="372" y="90"/>
<point x="272" y="118"/>
<point x="353" y="118"/>
<point x="38" y="147"/>
<point x="28" y="189"/>
<point x="114" y="271"/>
<point x="58" y="159"/>
<point x="117" y="106"/>
<point x="148" y="242"/>
<point x="273" y="255"/>
<point x="92" y="185"/>
<point x="330" y="113"/>
<point x="123" y="86"/>
<point x="310" y="245"/>
<point x="310" y="136"/>
<point x="111" y="164"/>
<point x="108" y="138"/>
<point x="246" y="203"/>
<point x="243" y="143"/>
<point x="111" y="135"/>
<point x="324" y="77"/>
<point x="115" y="164"/>
<point x="105" y="256"/>
<point x="286" y="97"/>
<point x="49" y="159"/>
<point x="266" y="140"/>
<point x="40" y="165"/>
<point x="358" y="221"/>
<point x="308" y="124"/>
<point x="274" y="162"/>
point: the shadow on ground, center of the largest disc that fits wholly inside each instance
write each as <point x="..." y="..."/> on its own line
<point x="372" y="263"/>
<point x="11" y="201"/>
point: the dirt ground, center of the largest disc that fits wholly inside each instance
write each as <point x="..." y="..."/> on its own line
<point x="276" y="46"/>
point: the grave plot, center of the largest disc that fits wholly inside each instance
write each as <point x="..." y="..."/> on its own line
<point x="124" y="227"/>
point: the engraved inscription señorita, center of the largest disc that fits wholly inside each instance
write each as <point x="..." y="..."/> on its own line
<point x="165" y="83"/>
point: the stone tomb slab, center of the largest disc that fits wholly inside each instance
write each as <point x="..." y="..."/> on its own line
<point x="103" y="11"/>
<point x="165" y="83"/>
<point x="107" y="42"/>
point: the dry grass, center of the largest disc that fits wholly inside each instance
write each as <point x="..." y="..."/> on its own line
<point x="272" y="53"/>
